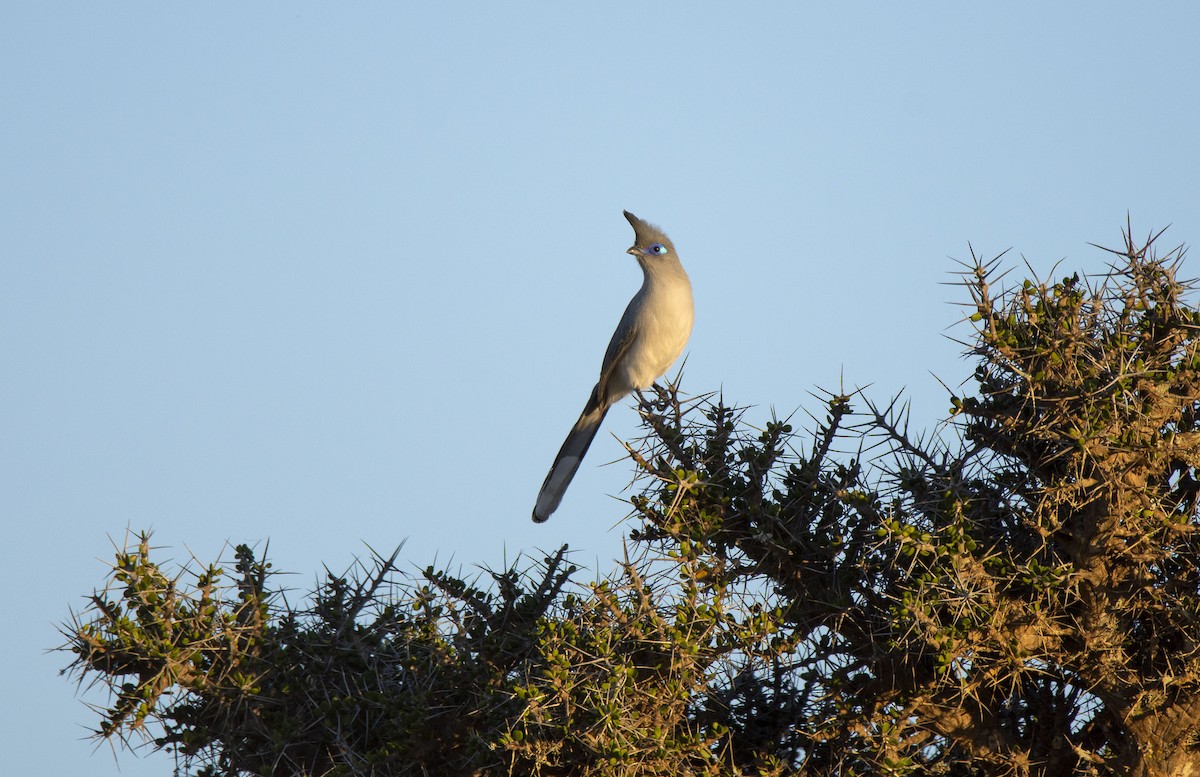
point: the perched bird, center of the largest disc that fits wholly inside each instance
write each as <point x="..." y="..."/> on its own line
<point x="651" y="335"/>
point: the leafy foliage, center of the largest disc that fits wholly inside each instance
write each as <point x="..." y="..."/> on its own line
<point x="1018" y="594"/>
<point x="1019" y="599"/>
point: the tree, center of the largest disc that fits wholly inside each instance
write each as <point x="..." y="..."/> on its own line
<point x="1018" y="593"/>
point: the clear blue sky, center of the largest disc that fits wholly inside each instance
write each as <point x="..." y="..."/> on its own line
<point x="336" y="275"/>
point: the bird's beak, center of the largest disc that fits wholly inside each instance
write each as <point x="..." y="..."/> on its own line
<point x="635" y="251"/>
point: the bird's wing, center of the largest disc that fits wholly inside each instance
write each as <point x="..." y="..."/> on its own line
<point x="622" y="340"/>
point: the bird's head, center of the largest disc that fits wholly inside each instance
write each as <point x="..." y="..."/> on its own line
<point x="649" y="241"/>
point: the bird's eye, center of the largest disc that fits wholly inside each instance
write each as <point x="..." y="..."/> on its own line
<point x="658" y="249"/>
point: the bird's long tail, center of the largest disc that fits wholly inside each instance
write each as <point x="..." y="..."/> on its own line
<point x="568" y="458"/>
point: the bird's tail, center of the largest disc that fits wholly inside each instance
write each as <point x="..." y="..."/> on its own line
<point x="568" y="458"/>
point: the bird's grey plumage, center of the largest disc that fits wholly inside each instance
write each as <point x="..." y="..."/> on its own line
<point x="651" y="335"/>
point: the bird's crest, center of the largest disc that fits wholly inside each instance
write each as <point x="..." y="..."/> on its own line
<point x="647" y="234"/>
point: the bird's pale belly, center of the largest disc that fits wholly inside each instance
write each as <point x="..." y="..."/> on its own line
<point x="669" y="342"/>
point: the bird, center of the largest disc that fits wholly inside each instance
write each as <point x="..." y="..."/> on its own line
<point x="652" y="333"/>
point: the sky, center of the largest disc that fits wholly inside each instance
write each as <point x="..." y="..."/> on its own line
<point x="339" y="277"/>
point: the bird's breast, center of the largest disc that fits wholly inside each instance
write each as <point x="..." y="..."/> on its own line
<point x="662" y="335"/>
